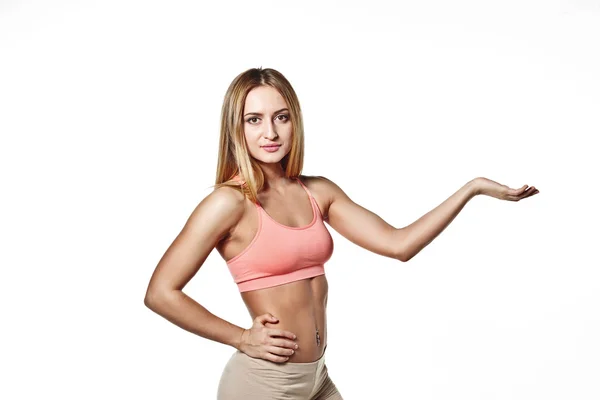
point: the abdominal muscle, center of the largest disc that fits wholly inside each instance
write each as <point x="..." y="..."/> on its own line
<point x="300" y="308"/>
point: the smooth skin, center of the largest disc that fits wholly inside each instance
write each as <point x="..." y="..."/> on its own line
<point x="285" y="316"/>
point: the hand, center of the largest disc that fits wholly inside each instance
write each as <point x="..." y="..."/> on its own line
<point x="262" y="342"/>
<point x="494" y="189"/>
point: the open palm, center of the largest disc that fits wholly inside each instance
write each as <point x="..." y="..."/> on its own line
<point x="494" y="189"/>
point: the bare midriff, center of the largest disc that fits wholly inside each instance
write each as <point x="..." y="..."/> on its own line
<point x="300" y="308"/>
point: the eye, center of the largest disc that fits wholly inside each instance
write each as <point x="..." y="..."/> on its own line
<point x="285" y="118"/>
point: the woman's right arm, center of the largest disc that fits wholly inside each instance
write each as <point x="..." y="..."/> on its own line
<point x="210" y="221"/>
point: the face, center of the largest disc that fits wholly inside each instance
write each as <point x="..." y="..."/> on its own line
<point x="267" y="125"/>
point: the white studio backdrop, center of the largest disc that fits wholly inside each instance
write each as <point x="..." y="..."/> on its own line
<point x="109" y="116"/>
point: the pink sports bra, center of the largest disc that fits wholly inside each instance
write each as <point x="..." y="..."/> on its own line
<point x="280" y="254"/>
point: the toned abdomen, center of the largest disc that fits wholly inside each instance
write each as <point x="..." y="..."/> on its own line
<point x="301" y="309"/>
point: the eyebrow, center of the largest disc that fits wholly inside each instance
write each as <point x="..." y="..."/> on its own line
<point x="260" y="115"/>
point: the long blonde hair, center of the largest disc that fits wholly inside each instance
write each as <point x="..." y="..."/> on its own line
<point x="234" y="158"/>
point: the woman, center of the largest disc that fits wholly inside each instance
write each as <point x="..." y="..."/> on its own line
<point x="267" y="222"/>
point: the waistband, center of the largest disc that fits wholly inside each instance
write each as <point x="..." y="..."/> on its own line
<point x="292" y="367"/>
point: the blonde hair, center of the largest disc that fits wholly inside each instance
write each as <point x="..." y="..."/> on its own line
<point x="234" y="158"/>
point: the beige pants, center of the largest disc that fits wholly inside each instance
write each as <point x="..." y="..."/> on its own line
<point x="248" y="378"/>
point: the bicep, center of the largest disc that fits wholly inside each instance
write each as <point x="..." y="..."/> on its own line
<point x="360" y="225"/>
<point x="210" y="221"/>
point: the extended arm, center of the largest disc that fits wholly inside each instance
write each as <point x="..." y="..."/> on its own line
<point x="371" y="232"/>
<point x="420" y="233"/>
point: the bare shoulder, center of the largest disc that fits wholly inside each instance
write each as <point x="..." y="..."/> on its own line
<point x="219" y="211"/>
<point x="324" y="190"/>
<point x="226" y="197"/>
<point x="320" y="184"/>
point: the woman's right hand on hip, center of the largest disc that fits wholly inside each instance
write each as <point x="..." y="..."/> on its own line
<point x="270" y="344"/>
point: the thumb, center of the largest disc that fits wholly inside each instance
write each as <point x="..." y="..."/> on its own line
<point x="268" y="317"/>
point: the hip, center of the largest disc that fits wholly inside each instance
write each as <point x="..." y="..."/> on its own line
<point x="258" y="378"/>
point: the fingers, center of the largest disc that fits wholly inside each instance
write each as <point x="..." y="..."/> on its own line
<point x="281" y="333"/>
<point x="527" y="193"/>
<point x="275" y="358"/>
<point x="530" y="192"/>
<point x="284" y="343"/>
<point x="279" y="351"/>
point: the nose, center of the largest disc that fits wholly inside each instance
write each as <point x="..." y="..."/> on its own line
<point x="270" y="131"/>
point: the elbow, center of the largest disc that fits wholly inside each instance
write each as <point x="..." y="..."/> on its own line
<point x="401" y="256"/>
<point x="153" y="299"/>
<point x="399" y="252"/>
<point x="149" y="301"/>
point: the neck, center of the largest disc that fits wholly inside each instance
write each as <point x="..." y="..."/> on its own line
<point x="274" y="174"/>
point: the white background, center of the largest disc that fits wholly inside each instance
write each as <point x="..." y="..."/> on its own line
<point x="109" y="115"/>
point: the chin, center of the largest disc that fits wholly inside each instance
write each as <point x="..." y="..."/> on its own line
<point x="273" y="159"/>
<point x="270" y="161"/>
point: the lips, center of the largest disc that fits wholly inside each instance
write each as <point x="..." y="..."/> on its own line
<point x="271" y="148"/>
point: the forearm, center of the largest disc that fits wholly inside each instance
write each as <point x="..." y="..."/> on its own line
<point x="183" y="311"/>
<point x="414" y="237"/>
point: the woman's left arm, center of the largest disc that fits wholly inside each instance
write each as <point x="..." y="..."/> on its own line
<point x="371" y="232"/>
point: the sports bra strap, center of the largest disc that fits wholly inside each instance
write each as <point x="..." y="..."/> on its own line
<point x="305" y="188"/>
